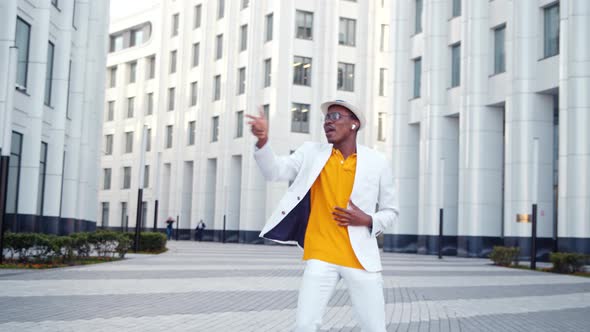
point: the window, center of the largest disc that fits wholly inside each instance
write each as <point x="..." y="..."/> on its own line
<point x="268" y="28"/>
<point x="174" y="25"/>
<point x="106" y="178"/>
<point x="173" y="62"/>
<point x="239" y="124"/>
<point x="304" y="25"/>
<point x="219" y="47"/>
<point x="220" y="8"/>
<point x="456" y="8"/>
<point x="384" y="44"/>
<point x="113" y="77"/>
<point x="14" y="173"/>
<point x="380" y="127"/>
<point x="146" y="177"/>
<point x="217" y="87"/>
<point x="243" y="37"/>
<point x="116" y="43"/>
<point x="124" y="216"/>
<point x="111" y="110"/>
<point x="245" y="4"/>
<point x="130" y="107"/>
<point x="499" y="50"/>
<point x="42" y="174"/>
<point x="196" y="51"/>
<point x="347" y="35"/>
<point x="105" y="214"/>
<point x="136" y="37"/>
<point x="126" y="177"/>
<point x="382" y="81"/>
<point x="74" y="16"/>
<point x="302" y="70"/>
<point x="169" y="133"/>
<point x="551" y="30"/>
<point x="215" y="129"/>
<point x="267" y="73"/>
<point x="150" y="103"/>
<point x="23" y="36"/>
<point x="132" y="71"/>
<point x="192" y="126"/>
<point x="345" y="76"/>
<point x="108" y="145"/>
<point x="418" y="17"/>
<point x="266" y="111"/>
<point x="241" y="80"/>
<point x="194" y="93"/>
<point x="197" y="16"/>
<point x="300" y="118"/>
<point x="417" y="77"/>
<point x="148" y="143"/>
<point x="49" y="73"/>
<point x="151" y="67"/>
<point x="129" y="142"/>
<point x="456" y="65"/>
<point x="171" y="99"/>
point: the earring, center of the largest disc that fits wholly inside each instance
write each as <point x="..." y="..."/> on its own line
<point x="353" y="126"/>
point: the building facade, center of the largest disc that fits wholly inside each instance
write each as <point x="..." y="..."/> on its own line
<point x="186" y="73"/>
<point x="490" y="114"/>
<point x="52" y="59"/>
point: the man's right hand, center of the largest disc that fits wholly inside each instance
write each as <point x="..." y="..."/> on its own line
<point x="259" y="127"/>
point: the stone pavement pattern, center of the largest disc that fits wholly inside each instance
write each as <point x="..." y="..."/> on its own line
<point x="233" y="287"/>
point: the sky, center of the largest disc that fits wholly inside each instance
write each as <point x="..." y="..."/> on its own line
<point x="122" y="8"/>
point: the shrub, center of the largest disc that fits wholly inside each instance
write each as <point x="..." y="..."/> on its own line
<point x="149" y="241"/>
<point x="80" y="244"/>
<point x="505" y="256"/>
<point x="567" y="262"/>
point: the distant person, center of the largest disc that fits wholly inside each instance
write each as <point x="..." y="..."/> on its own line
<point x="199" y="230"/>
<point x="169" y="221"/>
<point x="342" y="197"/>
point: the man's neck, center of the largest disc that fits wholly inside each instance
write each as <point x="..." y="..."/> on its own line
<point x="346" y="148"/>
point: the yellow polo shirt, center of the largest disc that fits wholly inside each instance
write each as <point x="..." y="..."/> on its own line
<point x="324" y="239"/>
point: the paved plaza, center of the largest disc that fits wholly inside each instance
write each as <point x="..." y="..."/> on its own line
<point x="232" y="287"/>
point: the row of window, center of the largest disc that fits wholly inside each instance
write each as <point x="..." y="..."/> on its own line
<point x="126" y="179"/>
<point x="105" y="208"/>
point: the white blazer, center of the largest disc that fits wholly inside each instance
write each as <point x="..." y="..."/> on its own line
<point x="373" y="192"/>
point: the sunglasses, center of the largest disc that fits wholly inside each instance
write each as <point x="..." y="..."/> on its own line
<point x="335" y="116"/>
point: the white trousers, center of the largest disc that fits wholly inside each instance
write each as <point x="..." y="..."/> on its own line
<point x="318" y="284"/>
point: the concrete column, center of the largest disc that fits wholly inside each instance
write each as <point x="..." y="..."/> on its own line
<point x="574" y="107"/>
<point x="7" y="35"/>
<point x="481" y="140"/>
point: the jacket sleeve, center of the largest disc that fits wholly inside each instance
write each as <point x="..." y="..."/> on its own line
<point x="388" y="208"/>
<point x="276" y="168"/>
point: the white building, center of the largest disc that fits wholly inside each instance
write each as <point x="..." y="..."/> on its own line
<point x="54" y="53"/>
<point x="189" y="70"/>
<point x="491" y="113"/>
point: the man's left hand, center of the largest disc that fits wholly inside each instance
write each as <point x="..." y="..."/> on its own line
<point x="352" y="216"/>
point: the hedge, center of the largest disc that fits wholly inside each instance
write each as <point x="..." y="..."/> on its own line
<point x="567" y="262"/>
<point x="149" y="241"/>
<point x="504" y="256"/>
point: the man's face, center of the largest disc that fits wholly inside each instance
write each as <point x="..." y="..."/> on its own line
<point x="338" y="131"/>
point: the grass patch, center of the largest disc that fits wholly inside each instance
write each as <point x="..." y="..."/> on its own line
<point x="14" y="264"/>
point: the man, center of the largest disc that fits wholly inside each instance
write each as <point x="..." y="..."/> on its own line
<point x="199" y="231"/>
<point x="341" y="198"/>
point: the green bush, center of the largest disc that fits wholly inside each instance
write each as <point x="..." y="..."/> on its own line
<point x="567" y="262"/>
<point x="505" y="256"/>
<point x="149" y="241"/>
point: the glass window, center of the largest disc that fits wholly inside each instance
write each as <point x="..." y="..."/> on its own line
<point x="245" y="3"/>
<point x="126" y="177"/>
<point x="241" y="80"/>
<point x="215" y="129"/>
<point x="130" y="107"/>
<point x="266" y="111"/>
<point x="173" y="61"/>
<point x="239" y="124"/>
<point x="171" y="99"/>
<point x="300" y="118"/>
<point x="217" y="87"/>
<point x="175" y="25"/>
<point x="499" y="50"/>
<point x="380" y="127"/>
<point x="169" y="137"/>
<point x="219" y="47"/>
<point x="456" y="65"/>
<point x="345" y="76"/>
<point x="302" y="70"/>
<point x="244" y="37"/>
<point x="111" y="110"/>
<point x="23" y="35"/>
<point x="456" y="8"/>
<point x="105" y="214"/>
<point x="384" y="44"/>
<point x="192" y="127"/>
<point x="41" y="183"/>
<point x="220" y="8"/>
<point x="268" y="27"/>
<point x="108" y="145"/>
<point x="267" y="73"/>
<point x="151" y="67"/>
<point x="418" y="16"/>
<point x="417" y="77"/>
<point x="113" y="77"/>
<point x="136" y="37"/>
<point x="382" y="81"/>
<point x="129" y="142"/>
<point x="106" y="178"/>
<point x="197" y="16"/>
<point x="150" y="103"/>
<point x="551" y="30"/>
<point x="49" y="73"/>
<point x="116" y="43"/>
<point x="132" y="71"/>
<point x="347" y="35"/>
<point x="14" y="165"/>
<point x="304" y="25"/>
<point x="148" y="143"/>
<point x="124" y="216"/>
<point x="194" y="93"/>
<point x="196" y="51"/>
<point x="146" y="177"/>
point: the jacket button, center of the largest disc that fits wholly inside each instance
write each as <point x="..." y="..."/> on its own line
<point x="283" y="212"/>
<point x="298" y="198"/>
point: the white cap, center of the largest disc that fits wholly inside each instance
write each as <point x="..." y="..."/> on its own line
<point x="355" y="110"/>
